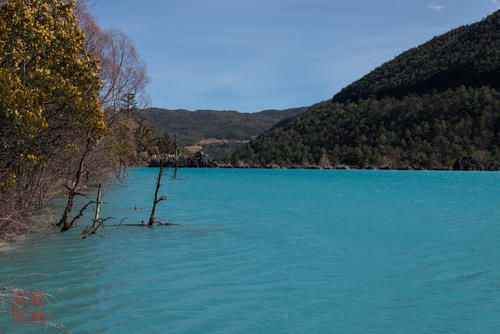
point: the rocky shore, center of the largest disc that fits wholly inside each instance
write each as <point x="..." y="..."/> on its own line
<point x="471" y="163"/>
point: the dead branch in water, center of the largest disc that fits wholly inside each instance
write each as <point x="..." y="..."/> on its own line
<point x="152" y="218"/>
<point x="97" y="222"/>
<point x="74" y="221"/>
<point x="97" y="207"/>
<point x="143" y="225"/>
<point x="93" y="230"/>
<point x="121" y="221"/>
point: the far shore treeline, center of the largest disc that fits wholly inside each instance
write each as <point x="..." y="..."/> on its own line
<point x="427" y="109"/>
<point x="68" y="92"/>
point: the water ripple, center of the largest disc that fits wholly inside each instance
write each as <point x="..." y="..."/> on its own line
<point x="280" y="252"/>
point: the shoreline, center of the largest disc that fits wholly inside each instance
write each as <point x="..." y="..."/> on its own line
<point x="41" y="221"/>
<point x="201" y="160"/>
<point x="225" y="166"/>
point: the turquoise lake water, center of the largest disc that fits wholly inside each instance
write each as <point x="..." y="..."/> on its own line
<point x="277" y="251"/>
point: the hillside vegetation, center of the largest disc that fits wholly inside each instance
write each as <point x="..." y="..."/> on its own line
<point x="469" y="56"/>
<point x="426" y="108"/>
<point x="193" y="126"/>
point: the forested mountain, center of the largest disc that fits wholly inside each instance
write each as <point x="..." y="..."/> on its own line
<point x="426" y="108"/>
<point x="469" y="56"/>
<point x="192" y="126"/>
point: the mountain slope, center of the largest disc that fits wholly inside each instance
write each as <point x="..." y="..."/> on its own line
<point x="193" y="126"/>
<point x="426" y="108"/>
<point x="469" y="56"/>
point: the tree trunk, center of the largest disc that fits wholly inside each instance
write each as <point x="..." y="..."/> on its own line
<point x="174" y="177"/>
<point x="157" y="200"/>
<point x="97" y="207"/>
<point x="73" y="191"/>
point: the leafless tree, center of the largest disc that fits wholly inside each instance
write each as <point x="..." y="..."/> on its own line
<point x="152" y="218"/>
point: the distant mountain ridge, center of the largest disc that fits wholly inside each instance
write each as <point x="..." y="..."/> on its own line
<point x="193" y="126"/>
<point x="426" y="108"/>
<point x="229" y="128"/>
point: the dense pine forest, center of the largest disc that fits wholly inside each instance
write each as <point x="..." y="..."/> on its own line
<point x="424" y="109"/>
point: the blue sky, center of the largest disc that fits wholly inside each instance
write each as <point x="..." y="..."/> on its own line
<point x="250" y="55"/>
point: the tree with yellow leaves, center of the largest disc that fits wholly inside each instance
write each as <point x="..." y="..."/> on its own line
<point x="49" y="94"/>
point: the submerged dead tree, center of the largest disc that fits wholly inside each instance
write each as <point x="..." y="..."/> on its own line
<point x="98" y="206"/>
<point x="152" y="218"/>
<point x="97" y="222"/>
<point x="176" y="156"/>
